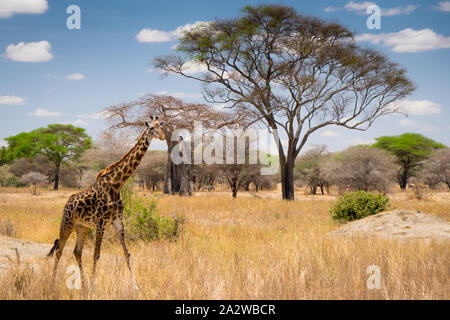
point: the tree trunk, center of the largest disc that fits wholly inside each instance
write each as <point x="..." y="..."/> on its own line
<point x="177" y="177"/>
<point x="404" y="176"/>
<point x="234" y="190"/>
<point x="168" y="175"/>
<point x="234" y="186"/>
<point x="181" y="173"/>
<point x="57" y="171"/>
<point x="287" y="178"/>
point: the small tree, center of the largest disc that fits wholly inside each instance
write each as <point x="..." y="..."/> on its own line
<point x="361" y="168"/>
<point x="410" y="151"/>
<point x="33" y="179"/>
<point x="437" y="168"/>
<point x="309" y="169"/>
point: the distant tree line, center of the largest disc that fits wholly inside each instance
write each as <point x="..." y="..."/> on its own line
<point x="66" y="154"/>
<point x="378" y="167"/>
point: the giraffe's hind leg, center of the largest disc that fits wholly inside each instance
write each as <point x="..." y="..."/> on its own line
<point x="118" y="225"/>
<point x="82" y="233"/>
<point x="65" y="231"/>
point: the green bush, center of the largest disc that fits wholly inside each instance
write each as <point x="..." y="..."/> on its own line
<point x="357" y="205"/>
<point x="142" y="221"/>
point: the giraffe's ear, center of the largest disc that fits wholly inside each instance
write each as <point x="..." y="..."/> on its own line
<point x="162" y="124"/>
<point x="146" y="124"/>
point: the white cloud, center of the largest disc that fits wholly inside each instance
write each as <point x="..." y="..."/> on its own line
<point x="75" y="76"/>
<point x="93" y="116"/>
<point x="417" y="107"/>
<point x="193" y="67"/>
<point x="12" y="100"/>
<point x="8" y="8"/>
<point x="190" y="67"/>
<point x="155" y="35"/>
<point x="361" y="7"/>
<point x="29" y="52"/>
<point x="408" y="40"/>
<point x="443" y="6"/>
<point x="329" y="133"/>
<point x="407" y="123"/>
<point x="44" y="113"/>
<point x="398" y="10"/>
<point x="331" y="9"/>
<point x="3" y="143"/>
<point x="48" y="91"/>
<point x="77" y="123"/>
<point x="178" y="32"/>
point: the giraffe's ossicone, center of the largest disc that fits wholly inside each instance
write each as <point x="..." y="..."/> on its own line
<point x="100" y="204"/>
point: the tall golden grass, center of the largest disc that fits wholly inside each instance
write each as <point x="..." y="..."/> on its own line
<point x="247" y="248"/>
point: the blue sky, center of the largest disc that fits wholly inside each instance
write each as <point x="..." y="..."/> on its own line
<point x="50" y="74"/>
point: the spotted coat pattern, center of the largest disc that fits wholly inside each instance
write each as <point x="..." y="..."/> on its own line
<point x="100" y="204"/>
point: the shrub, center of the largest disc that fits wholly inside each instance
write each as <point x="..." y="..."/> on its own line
<point x="142" y="221"/>
<point x="7" y="228"/>
<point x="357" y="205"/>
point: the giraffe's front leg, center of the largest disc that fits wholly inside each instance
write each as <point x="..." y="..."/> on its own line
<point x="82" y="233"/>
<point x="100" y="230"/>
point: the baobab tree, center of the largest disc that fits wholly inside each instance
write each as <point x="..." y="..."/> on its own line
<point x="178" y="115"/>
<point x="296" y="73"/>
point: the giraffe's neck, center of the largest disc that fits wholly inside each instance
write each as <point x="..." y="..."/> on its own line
<point x="118" y="173"/>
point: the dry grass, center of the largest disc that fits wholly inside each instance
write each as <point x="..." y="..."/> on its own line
<point x="247" y="248"/>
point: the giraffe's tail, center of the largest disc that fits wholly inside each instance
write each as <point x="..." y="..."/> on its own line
<point x="55" y="246"/>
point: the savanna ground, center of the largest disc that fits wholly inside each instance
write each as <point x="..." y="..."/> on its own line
<point x="247" y="248"/>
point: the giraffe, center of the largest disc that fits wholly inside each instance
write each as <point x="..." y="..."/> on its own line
<point x="100" y="204"/>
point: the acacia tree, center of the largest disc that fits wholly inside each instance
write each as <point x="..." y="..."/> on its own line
<point x="34" y="179"/>
<point x="58" y="143"/>
<point x="309" y="168"/>
<point x="296" y="73"/>
<point x="410" y="150"/>
<point x="360" y="168"/>
<point x="437" y="167"/>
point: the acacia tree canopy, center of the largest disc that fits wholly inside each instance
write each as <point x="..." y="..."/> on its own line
<point x="57" y="142"/>
<point x="410" y="150"/>
<point x="295" y="73"/>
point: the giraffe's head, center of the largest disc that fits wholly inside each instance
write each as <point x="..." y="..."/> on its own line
<point x="155" y="128"/>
